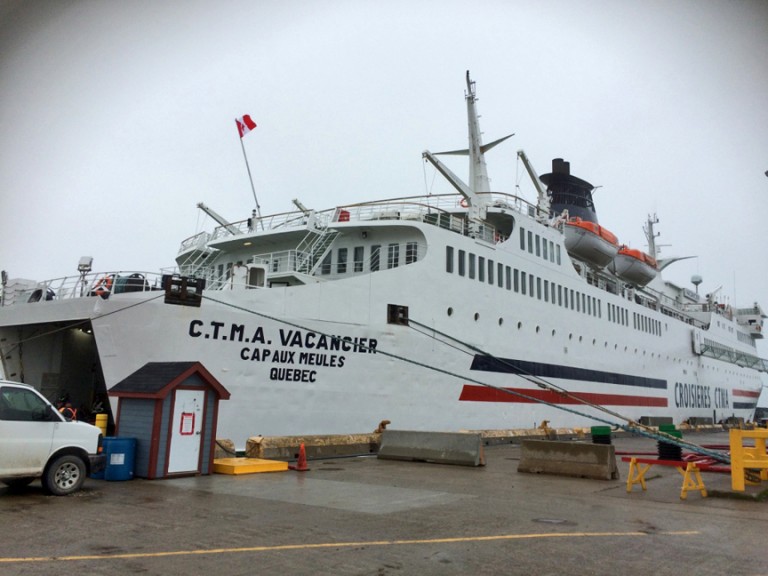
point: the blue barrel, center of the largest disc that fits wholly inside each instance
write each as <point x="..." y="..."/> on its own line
<point x="121" y="456"/>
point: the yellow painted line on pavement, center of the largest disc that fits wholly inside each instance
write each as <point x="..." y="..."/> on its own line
<point x="282" y="547"/>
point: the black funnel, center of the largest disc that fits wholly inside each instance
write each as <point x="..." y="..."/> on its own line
<point x="569" y="193"/>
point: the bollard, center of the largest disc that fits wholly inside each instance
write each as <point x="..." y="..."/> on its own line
<point x="101" y="423"/>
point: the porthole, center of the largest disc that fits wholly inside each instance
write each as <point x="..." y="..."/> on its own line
<point x="501" y="321"/>
<point x="477" y="316"/>
<point x="537" y="329"/>
<point x="554" y="332"/>
<point x="570" y="336"/>
<point x="519" y="325"/>
<point x="581" y="338"/>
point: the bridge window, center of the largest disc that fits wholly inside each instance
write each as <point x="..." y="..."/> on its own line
<point x="410" y="252"/>
<point x="341" y="261"/>
<point x="325" y="267"/>
<point x="359" y="256"/>
<point x="449" y="259"/>
<point x="393" y="255"/>
<point x="375" y="258"/>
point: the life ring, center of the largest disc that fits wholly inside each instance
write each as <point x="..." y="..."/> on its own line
<point x="464" y="203"/>
<point x="103" y="287"/>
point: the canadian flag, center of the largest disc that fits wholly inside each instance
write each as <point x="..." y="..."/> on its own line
<point x="245" y="125"/>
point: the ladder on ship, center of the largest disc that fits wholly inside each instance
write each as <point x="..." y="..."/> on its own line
<point x="196" y="261"/>
<point x="314" y="247"/>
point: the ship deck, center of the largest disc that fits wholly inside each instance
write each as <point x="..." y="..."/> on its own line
<point x="362" y="515"/>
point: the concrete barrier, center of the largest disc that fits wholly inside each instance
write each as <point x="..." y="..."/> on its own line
<point x="438" y="447"/>
<point x="569" y="459"/>
<point x="318" y="446"/>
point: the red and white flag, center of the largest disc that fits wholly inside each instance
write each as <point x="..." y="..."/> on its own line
<point x="245" y="125"/>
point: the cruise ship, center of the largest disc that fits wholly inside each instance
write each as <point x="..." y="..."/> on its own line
<point x="474" y="310"/>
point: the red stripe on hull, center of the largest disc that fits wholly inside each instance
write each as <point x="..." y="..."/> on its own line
<point x="472" y="393"/>
<point x="747" y="393"/>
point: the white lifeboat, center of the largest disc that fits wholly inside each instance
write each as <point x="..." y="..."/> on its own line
<point x="590" y="242"/>
<point x="635" y="266"/>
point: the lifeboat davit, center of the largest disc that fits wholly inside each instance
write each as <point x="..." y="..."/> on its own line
<point x="590" y="242"/>
<point x="635" y="266"/>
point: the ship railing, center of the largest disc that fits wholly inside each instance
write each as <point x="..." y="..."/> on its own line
<point x="196" y="242"/>
<point x="283" y="221"/>
<point x="668" y="306"/>
<point x="415" y="207"/>
<point x="445" y="210"/>
<point x="755" y="311"/>
<point x="87" y="285"/>
<point x="281" y="262"/>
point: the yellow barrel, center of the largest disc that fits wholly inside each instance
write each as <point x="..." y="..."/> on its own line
<point x="101" y="423"/>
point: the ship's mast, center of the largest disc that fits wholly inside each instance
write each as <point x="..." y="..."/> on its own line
<point x="650" y="235"/>
<point x="478" y="172"/>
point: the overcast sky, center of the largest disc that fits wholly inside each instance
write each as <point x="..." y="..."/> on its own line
<point x="116" y="118"/>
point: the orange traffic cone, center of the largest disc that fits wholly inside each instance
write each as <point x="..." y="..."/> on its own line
<point x="301" y="463"/>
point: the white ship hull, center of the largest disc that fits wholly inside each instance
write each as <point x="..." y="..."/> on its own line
<point x="436" y="313"/>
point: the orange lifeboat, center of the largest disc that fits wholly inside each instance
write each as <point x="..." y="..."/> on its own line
<point x="635" y="266"/>
<point x="590" y="242"/>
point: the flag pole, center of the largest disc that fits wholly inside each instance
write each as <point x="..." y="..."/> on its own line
<point x="250" y="179"/>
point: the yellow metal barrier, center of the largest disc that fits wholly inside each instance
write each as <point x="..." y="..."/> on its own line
<point x="745" y="458"/>
<point x="688" y="470"/>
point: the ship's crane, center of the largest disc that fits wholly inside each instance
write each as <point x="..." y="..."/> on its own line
<point x="213" y="214"/>
<point x="543" y="205"/>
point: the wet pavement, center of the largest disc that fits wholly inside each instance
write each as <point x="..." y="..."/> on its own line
<point x="365" y="516"/>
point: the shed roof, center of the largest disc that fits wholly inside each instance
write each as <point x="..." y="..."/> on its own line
<point x="157" y="379"/>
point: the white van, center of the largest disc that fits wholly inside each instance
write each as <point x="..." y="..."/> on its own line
<point x="38" y="442"/>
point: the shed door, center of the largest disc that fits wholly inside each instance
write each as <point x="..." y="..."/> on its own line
<point x="186" y="434"/>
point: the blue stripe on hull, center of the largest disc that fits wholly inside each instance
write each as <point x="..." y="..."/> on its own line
<point x="513" y="366"/>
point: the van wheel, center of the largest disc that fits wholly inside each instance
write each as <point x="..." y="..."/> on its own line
<point x="64" y="475"/>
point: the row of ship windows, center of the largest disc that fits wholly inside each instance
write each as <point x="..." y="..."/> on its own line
<point x="450" y="312"/>
<point x="542" y="247"/>
<point x="480" y="268"/>
<point x="374" y="258"/>
<point x="485" y="269"/>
